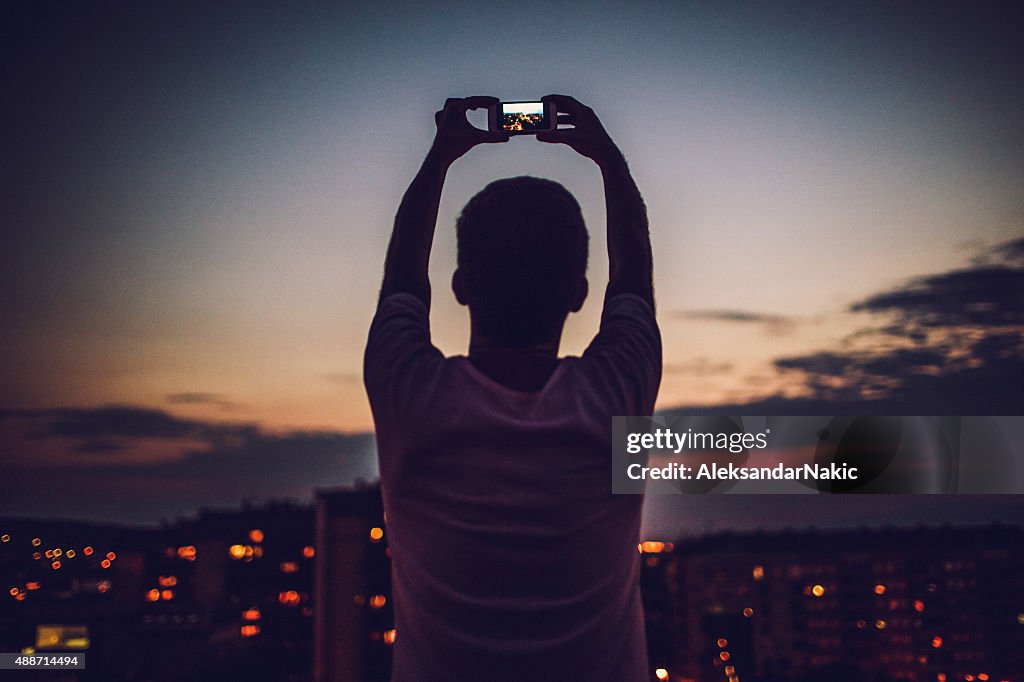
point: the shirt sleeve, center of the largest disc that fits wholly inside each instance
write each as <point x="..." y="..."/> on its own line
<point x="399" y="357"/>
<point x="626" y="353"/>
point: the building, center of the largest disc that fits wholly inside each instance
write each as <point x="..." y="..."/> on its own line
<point x="354" y="624"/>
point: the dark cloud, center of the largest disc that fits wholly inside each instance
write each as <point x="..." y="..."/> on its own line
<point x="733" y="316"/>
<point x="771" y="324"/>
<point x="216" y="463"/>
<point x="108" y="422"/>
<point x="953" y="343"/>
<point x="986" y="296"/>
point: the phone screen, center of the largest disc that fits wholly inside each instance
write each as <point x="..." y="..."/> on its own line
<point x="522" y="117"/>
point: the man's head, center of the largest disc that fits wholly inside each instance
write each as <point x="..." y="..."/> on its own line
<point x="522" y="259"/>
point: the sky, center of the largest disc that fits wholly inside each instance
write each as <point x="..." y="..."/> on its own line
<point x="198" y="199"/>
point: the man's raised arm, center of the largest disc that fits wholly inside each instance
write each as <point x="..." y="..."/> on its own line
<point x="408" y="257"/>
<point x="630" y="264"/>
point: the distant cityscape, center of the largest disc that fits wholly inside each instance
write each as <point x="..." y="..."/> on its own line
<point x="301" y="593"/>
<point x="522" y="121"/>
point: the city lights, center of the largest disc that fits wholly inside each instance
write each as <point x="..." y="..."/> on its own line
<point x="758" y="572"/>
<point x="289" y="567"/>
<point x="187" y="552"/>
<point x="167" y="580"/>
<point x="818" y="590"/>
<point x="378" y="601"/>
<point x="249" y="630"/>
<point x="236" y="552"/>
<point x="661" y="674"/>
<point x="153" y="595"/>
<point x="256" y="535"/>
<point x="87" y="550"/>
<point x="105" y="563"/>
<point x="36" y="542"/>
<point x="5" y="538"/>
<point x="936" y="642"/>
<point x="389" y="637"/>
<point x="879" y="589"/>
<point x="376" y="534"/>
<point x="308" y="552"/>
<point x="288" y="598"/>
<point x="252" y="613"/>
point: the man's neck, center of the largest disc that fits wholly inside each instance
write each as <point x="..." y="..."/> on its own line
<point x="522" y="368"/>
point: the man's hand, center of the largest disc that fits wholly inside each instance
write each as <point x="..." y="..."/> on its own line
<point x="455" y="135"/>
<point x="405" y="269"/>
<point x="587" y="136"/>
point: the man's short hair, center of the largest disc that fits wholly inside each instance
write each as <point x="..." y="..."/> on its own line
<point x="522" y="251"/>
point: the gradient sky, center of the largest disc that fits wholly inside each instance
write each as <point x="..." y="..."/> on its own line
<point x="198" y="199"/>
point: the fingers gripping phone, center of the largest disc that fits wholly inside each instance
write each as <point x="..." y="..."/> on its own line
<point x="521" y="118"/>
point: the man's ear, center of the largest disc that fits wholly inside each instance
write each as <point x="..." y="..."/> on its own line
<point x="459" y="287"/>
<point x="582" y="289"/>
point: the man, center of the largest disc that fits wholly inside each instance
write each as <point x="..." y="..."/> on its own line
<point x="511" y="559"/>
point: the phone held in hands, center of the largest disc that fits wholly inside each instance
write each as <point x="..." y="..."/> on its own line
<point x="521" y="118"/>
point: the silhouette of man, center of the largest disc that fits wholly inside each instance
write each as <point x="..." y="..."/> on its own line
<point x="511" y="558"/>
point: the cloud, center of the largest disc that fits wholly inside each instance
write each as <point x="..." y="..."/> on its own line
<point x="344" y="378"/>
<point x="199" y="398"/>
<point x="206" y="463"/>
<point x="112" y="421"/>
<point x="772" y="324"/>
<point x="951" y="343"/>
<point x="700" y="367"/>
<point x="986" y="296"/>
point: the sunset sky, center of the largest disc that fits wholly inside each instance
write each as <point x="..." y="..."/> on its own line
<point x="198" y="200"/>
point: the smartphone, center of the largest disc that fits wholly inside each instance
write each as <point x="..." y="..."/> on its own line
<point x="522" y="118"/>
